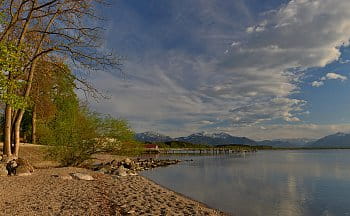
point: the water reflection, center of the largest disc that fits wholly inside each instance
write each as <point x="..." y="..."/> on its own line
<point x="265" y="183"/>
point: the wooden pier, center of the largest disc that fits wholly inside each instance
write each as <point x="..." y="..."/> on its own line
<point x="207" y="151"/>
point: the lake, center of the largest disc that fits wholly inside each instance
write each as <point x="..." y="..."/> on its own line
<point x="298" y="182"/>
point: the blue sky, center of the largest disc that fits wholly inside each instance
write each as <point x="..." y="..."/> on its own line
<point x="262" y="69"/>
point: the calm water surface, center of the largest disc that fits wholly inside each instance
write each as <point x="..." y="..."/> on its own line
<point x="264" y="183"/>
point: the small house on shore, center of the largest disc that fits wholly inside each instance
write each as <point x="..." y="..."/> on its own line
<point x="151" y="147"/>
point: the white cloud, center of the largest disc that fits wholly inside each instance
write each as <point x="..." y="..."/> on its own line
<point x="317" y="83"/>
<point x="250" y="29"/>
<point x="336" y="76"/>
<point x="329" y="76"/>
<point x="235" y="43"/>
<point x="253" y="82"/>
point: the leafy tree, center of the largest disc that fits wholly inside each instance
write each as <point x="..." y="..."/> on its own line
<point x="12" y="60"/>
<point x="50" y="28"/>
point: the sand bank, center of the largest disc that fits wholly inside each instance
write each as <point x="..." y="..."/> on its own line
<point x="43" y="194"/>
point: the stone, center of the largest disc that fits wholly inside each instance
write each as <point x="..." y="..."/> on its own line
<point x="11" y="167"/>
<point x="25" y="163"/>
<point x="115" y="163"/>
<point x="23" y="171"/>
<point x="121" y="171"/>
<point x="127" y="161"/>
<point x="3" y="170"/>
<point x="82" y="176"/>
<point x="103" y="170"/>
<point x="132" y="173"/>
<point x="96" y="166"/>
<point x="66" y="177"/>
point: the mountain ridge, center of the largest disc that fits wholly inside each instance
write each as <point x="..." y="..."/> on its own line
<point x="333" y="140"/>
<point x="337" y="140"/>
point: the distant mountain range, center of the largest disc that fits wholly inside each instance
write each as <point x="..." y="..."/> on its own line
<point x="152" y="137"/>
<point x="285" y="143"/>
<point x="335" y="140"/>
<point x="197" y="138"/>
<point x="215" y="139"/>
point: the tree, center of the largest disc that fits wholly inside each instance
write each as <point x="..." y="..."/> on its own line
<point x="51" y="28"/>
<point x="11" y="83"/>
<point x="53" y="78"/>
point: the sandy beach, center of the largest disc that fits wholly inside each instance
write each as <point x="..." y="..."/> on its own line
<point x="44" y="194"/>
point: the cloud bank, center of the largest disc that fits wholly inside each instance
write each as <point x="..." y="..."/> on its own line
<point x="219" y="77"/>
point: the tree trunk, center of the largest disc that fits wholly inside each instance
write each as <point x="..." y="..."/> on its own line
<point x="21" y="111"/>
<point x="34" y="125"/>
<point x="7" y="131"/>
<point x="17" y="132"/>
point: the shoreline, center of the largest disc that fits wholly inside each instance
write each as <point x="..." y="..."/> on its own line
<point x="186" y="197"/>
<point x="44" y="194"/>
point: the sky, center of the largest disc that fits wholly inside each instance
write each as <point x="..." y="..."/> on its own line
<point x="262" y="69"/>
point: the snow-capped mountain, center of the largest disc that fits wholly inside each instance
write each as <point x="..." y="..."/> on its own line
<point x="152" y="137"/>
<point x="197" y="138"/>
<point x="216" y="139"/>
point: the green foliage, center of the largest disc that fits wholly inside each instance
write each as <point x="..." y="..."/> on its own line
<point x="2" y="17"/>
<point x="75" y="133"/>
<point x="114" y="135"/>
<point x="70" y="133"/>
<point x="73" y="138"/>
<point x="12" y="61"/>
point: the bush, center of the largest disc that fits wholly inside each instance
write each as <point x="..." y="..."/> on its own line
<point x="115" y="136"/>
<point x="75" y="134"/>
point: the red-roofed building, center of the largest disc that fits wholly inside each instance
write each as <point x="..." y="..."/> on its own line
<point x="151" y="147"/>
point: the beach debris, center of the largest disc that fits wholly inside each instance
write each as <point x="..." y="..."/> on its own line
<point x="82" y="176"/>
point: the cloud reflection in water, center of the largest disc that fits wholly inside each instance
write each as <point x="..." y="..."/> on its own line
<point x="287" y="183"/>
